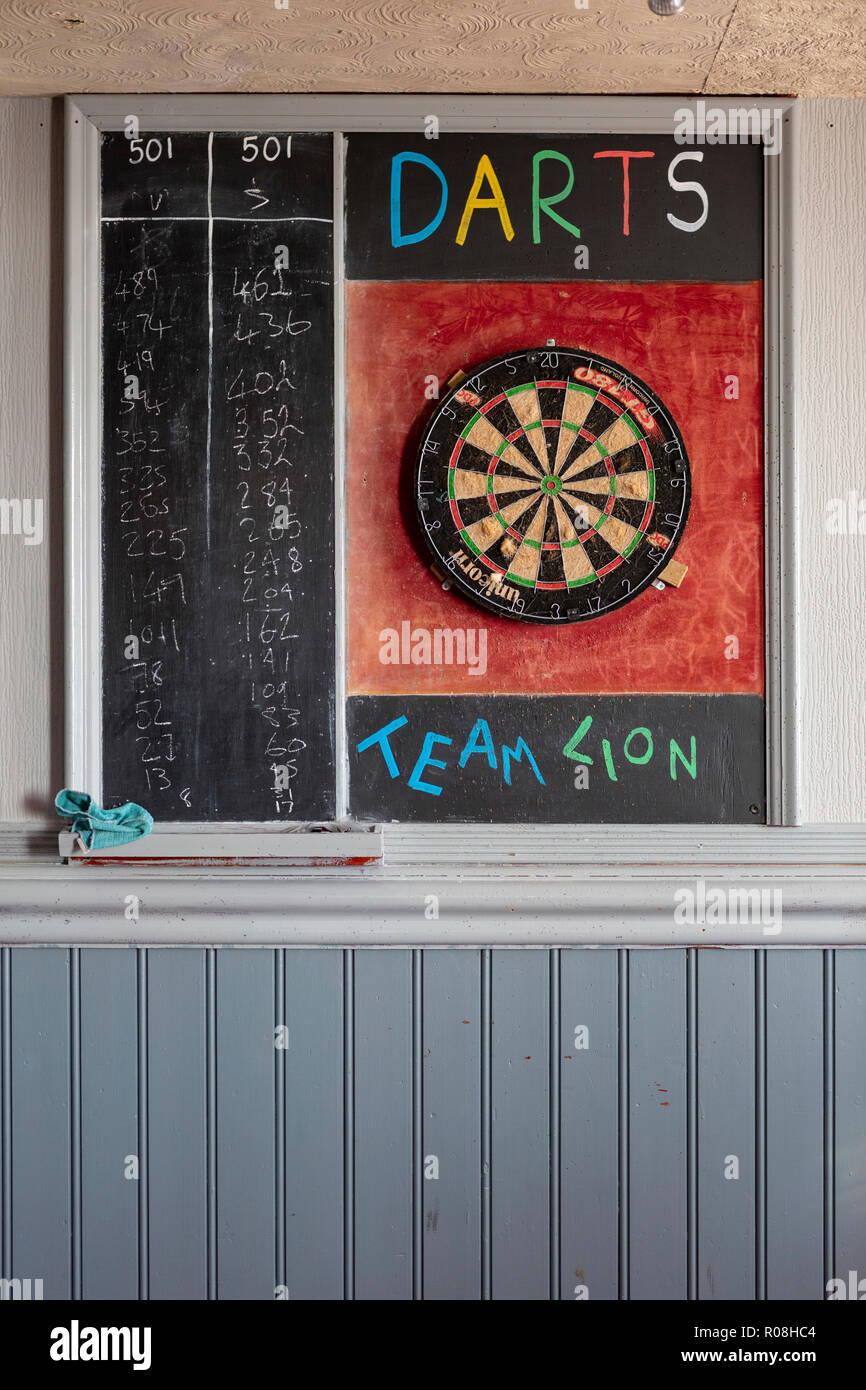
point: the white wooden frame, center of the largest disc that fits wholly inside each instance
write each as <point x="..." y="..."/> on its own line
<point x="86" y="117"/>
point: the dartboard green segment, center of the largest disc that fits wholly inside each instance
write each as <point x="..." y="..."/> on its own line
<point x="552" y="485"/>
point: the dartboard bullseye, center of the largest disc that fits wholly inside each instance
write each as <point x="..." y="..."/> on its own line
<point x="552" y="485"/>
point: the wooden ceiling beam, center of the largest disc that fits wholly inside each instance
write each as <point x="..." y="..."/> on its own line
<point x="809" y="48"/>
<point x="49" y="47"/>
<point x="451" y="46"/>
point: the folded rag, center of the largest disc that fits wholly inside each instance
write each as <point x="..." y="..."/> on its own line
<point x="101" y="829"/>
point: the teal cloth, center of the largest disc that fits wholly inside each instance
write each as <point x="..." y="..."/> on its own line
<point x="102" y="829"/>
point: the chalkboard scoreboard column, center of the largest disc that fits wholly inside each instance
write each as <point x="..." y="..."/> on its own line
<point x="218" y="476"/>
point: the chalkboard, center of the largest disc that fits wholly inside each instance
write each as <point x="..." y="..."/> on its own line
<point x="638" y="256"/>
<point x="518" y="206"/>
<point x="495" y="281"/>
<point x="500" y="759"/>
<point x="218" y="475"/>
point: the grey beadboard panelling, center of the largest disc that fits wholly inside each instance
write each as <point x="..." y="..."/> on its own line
<point x="589" y="1124"/>
<point x="795" y="1124"/>
<point x="520" y="1169"/>
<point x="313" y="1108"/>
<point x="39" y="1072"/>
<point x="725" y="1159"/>
<point x="850" y="1116"/>
<point x="110" y="1149"/>
<point x="452" y="1124"/>
<point x="303" y="1163"/>
<point x="657" y="1124"/>
<point x="383" y="1130"/>
<point x="39" y="1139"/>
<point x="177" y="1124"/>
<point x="246" y="1125"/>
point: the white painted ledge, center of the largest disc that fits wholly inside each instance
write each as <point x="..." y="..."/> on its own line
<point x="290" y="847"/>
<point x="530" y="886"/>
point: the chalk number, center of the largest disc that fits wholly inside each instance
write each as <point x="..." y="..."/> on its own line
<point x="151" y="151"/>
<point x="270" y="150"/>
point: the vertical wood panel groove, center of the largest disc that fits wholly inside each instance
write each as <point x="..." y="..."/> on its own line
<point x="486" y="1128"/>
<point x="348" y="1125"/>
<point x="760" y="1125"/>
<point x="110" y="1130"/>
<point x="829" y="1115"/>
<point x="624" y="1102"/>
<point x="417" y="1128"/>
<point x="555" y="1125"/>
<point x="75" y="1153"/>
<point x="692" y="1121"/>
<point x="211" y="1122"/>
<point x="795" y="1123"/>
<point x="520" y="1116"/>
<point x="245" y="1154"/>
<point x="451" y="1052"/>
<point x="658" y="1124"/>
<point x="6" y="1111"/>
<point x="280" y="1164"/>
<point x="176" y="1124"/>
<point x="143" y="1129"/>
<point x="725" y="1058"/>
<point x="313" y="1104"/>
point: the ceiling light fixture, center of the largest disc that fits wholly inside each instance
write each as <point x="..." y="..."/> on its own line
<point x="667" y="6"/>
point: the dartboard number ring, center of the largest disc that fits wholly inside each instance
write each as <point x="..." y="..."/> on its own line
<point x="552" y="485"/>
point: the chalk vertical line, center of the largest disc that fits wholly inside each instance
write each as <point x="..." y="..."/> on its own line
<point x="761" y="1125"/>
<point x="348" y="1124"/>
<point x="341" y="753"/>
<point x="209" y="332"/>
<point x="76" y="1271"/>
<point x="829" y="1116"/>
<point x="143" y="1131"/>
<point x="692" y="1123"/>
<point x="486" y="1126"/>
<point x="211" y="1117"/>
<point x="624" y="1102"/>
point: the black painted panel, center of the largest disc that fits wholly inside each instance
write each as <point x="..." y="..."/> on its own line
<point x="515" y="767"/>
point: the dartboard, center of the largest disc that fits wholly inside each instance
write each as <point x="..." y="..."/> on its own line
<point x="552" y="485"/>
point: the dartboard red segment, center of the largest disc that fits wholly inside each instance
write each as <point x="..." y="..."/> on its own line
<point x="553" y="485"/>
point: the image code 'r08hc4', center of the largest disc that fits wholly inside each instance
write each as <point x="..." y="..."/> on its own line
<point x="552" y="485"/>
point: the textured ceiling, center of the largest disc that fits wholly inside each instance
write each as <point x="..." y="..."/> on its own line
<point x="456" y="46"/>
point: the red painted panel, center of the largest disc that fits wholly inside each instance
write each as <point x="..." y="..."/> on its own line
<point x="683" y="340"/>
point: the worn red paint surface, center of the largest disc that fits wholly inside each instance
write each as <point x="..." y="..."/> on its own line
<point x="683" y="340"/>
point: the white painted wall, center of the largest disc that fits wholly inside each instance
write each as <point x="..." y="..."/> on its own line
<point x="833" y="458"/>
<point x="31" y="279"/>
<point x="832" y="431"/>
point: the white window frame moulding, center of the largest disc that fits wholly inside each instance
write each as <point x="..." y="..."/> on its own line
<point x="453" y="848"/>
